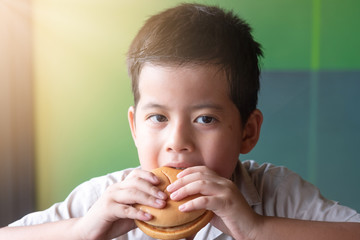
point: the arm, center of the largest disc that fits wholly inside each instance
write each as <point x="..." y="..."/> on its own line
<point x="236" y="218"/>
<point x="70" y="229"/>
<point x="284" y="228"/>
<point x="65" y="229"/>
<point x="110" y="216"/>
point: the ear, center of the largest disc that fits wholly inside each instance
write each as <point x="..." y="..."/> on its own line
<point x="131" y="119"/>
<point x="251" y="131"/>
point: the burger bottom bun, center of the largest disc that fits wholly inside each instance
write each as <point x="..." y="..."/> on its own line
<point x="177" y="232"/>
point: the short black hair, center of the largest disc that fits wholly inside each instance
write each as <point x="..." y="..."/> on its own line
<point x="200" y="34"/>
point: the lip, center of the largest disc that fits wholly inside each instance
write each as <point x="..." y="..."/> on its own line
<point x="178" y="165"/>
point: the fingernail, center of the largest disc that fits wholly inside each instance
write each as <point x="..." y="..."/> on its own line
<point x="147" y="215"/>
<point x="162" y="195"/>
<point x="156" y="180"/>
<point x="179" y="175"/>
<point x="173" y="195"/>
<point x="170" y="187"/>
<point x="182" y="207"/>
<point x="160" y="202"/>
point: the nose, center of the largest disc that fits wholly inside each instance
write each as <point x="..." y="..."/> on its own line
<point x="180" y="138"/>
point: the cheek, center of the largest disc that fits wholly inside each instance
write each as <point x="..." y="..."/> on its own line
<point x="223" y="165"/>
<point x="147" y="152"/>
<point x="148" y="160"/>
<point x="222" y="156"/>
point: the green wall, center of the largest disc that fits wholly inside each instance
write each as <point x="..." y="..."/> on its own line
<point x="82" y="91"/>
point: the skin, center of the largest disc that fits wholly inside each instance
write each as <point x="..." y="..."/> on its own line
<point x="184" y="118"/>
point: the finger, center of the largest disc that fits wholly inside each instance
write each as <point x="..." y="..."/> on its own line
<point x="142" y="185"/>
<point x="204" y="187"/>
<point x="144" y="181"/>
<point x="126" y="211"/>
<point x="109" y="211"/>
<point x="146" y="175"/>
<point x="195" y="169"/>
<point x="205" y="202"/>
<point x="133" y="196"/>
<point x="190" y="176"/>
<point x="194" y="174"/>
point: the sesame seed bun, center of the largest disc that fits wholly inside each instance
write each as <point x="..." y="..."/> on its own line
<point x="169" y="222"/>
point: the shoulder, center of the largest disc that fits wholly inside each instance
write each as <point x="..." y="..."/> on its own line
<point x="284" y="193"/>
<point x="281" y="190"/>
<point x="272" y="173"/>
<point x="268" y="179"/>
<point x="87" y="193"/>
<point x="99" y="184"/>
<point x="95" y="187"/>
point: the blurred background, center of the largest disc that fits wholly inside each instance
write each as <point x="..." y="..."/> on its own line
<point x="64" y="93"/>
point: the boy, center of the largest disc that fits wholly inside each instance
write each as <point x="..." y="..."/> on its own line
<point x="195" y="80"/>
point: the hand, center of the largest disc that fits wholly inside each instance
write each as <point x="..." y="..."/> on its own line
<point x="220" y="195"/>
<point x="113" y="214"/>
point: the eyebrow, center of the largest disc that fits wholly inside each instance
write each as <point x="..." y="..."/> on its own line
<point x="153" y="105"/>
<point x="208" y="106"/>
<point x="213" y="106"/>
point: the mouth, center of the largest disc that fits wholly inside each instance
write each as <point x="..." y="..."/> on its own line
<point x="179" y="168"/>
<point x="178" y="165"/>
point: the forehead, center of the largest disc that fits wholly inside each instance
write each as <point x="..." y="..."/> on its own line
<point x="186" y="85"/>
<point x="196" y="75"/>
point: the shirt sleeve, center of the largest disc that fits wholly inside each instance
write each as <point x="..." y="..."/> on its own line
<point x="286" y="194"/>
<point x="76" y="204"/>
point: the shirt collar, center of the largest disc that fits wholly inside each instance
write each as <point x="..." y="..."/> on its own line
<point x="209" y="231"/>
<point x="244" y="182"/>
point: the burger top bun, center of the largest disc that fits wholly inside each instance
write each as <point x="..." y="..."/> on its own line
<point x="169" y="216"/>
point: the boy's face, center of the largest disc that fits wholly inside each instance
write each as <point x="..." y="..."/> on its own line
<point x="185" y="118"/>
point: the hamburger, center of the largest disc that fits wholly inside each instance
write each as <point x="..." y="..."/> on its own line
<point x="169" y="222"/>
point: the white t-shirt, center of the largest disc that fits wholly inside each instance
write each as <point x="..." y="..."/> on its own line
<point x="269" y="190"/>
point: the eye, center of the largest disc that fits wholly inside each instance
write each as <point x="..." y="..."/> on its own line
<point x="157" y="118"/>
<point x="205" y="120"/>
